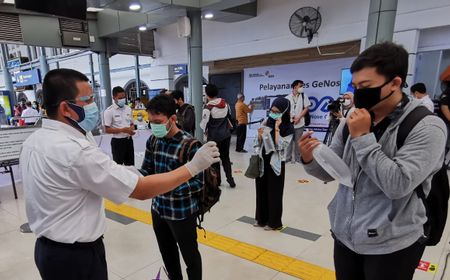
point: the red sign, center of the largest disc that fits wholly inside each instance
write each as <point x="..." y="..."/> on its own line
<point x="423" y="266"/>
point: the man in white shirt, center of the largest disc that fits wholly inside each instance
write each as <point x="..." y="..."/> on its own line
<point x="30" y="115"/>
<point x="419" y="91"/>
<point x="65" y="177"/>
<point x="118" y="121"/>
<point x="299" y="108"/>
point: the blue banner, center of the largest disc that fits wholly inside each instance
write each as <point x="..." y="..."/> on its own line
<point x="28" y="78"/>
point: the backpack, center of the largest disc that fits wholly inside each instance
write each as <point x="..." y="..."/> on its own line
<point x="181" y="118"/>
<point x="436" y="203"/>
<point x="210" y="193"/>
<point x="219" y="129"/>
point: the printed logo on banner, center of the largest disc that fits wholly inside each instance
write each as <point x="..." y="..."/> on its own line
<point x="266" y="74"/>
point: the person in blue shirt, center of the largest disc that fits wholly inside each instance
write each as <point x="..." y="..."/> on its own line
<point x="173" y="213"/>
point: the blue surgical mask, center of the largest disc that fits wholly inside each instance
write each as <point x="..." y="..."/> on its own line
<point x="88" y="115"/>
<point x="275" y="115"/>
<point x="121" y="102"/>
<point x="159" y="129"/>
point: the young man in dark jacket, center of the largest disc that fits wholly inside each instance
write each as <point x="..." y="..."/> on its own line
<point x="380" y="219"/>
<point x="185" y="113"/>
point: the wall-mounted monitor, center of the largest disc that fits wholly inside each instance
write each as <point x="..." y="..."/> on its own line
<point x="346" y="81"/>
<point x="70" y="9"/>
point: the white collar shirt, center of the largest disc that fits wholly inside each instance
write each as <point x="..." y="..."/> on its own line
<point x="65" y="175"/>
<point x="117" y="117"/>
<point x="297" y="106"/>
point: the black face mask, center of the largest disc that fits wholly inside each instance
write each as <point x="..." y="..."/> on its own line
<point x="367" y="98"/>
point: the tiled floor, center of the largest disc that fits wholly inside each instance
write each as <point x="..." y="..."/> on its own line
<point x="132" y="251"/>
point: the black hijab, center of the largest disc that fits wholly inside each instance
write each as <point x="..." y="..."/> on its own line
<point x="286" y="127"/>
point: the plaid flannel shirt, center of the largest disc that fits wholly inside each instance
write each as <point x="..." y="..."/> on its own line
<point x="162" y="155"/>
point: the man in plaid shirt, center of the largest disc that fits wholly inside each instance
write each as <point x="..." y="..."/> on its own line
<point x="173" y="213"/>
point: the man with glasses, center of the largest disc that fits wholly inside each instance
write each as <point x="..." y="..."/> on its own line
<point x="65" y="177"/>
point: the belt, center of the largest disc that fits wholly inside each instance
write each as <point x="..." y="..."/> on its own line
<point x="72" y="245"/>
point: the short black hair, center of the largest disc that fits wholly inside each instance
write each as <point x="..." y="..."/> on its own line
<point x="162" y="104"/>
<point x="60" y="85"/>
<point x="420" y="87"/>
<point x="177" y="94"/>
<point x="296" y="82"/>
<point x="117" y="90"/>
<point x="28" y="103"/>
<point x="389" y="60"/>
<point x="211" y="90"/>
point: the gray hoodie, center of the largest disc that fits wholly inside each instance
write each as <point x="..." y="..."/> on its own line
<point x="383" y="213"/>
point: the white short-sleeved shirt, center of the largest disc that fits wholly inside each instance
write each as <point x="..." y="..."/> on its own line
<point x="427" y="102"/>
<point x="297" y="106"/>
<point x="65" y="177"/>
<point x="117" y="117"/>
<point x="31" y="115"/>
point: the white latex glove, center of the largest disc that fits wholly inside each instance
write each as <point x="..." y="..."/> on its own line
<point x="203" y="158"/>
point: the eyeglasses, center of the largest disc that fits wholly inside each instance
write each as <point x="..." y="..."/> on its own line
<point x="87" y="99"/>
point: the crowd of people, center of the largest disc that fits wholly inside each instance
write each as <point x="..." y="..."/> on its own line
<point x="375" y="222"/>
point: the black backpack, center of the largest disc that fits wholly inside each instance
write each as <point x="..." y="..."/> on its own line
<point x="210" y="193"/>
<point x="436" y="203"/>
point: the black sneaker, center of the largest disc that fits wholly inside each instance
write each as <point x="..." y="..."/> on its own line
<point x="231" y="182"/>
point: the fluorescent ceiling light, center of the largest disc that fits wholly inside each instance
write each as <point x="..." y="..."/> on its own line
<point x="94" y="9"/>
<point x="134" y="7"/>
<point x="209" y="15"/>
<point x="143" y="28"/>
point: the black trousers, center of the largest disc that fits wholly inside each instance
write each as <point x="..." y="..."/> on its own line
<point x="78" y="261"/>
<point x="224" y="150"/>
<point x="269" y="196"/>
<point x="399" y="265"/>
<point x="183" y="234"/>
<point x="123" y="150"/>
<point x="241" y="133"/>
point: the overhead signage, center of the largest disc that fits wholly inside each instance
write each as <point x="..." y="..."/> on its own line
<point x="180" y="69"/>
<point x="28" y="78"/>
<point x="14" y="63"/>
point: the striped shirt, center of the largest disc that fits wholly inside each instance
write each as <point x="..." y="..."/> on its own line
<point x="162" y="155"/>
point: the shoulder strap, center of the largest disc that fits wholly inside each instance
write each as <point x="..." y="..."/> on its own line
<point x="411" y="120"/>
<point x="303" y="101"/>
<point x="186" y="148"/>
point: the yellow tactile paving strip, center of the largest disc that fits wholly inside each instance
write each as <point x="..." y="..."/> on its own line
<point x="273" y="260"/>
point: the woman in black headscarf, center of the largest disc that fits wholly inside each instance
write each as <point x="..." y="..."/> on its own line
<point x="273" y="139"/>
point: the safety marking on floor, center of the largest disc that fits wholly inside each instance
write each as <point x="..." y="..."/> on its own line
<point x="286" y="230"/>
<point x="255" y="254"/>
<point x="303" y="181"/>
<point x="427" y="267"/>
<point x="124" y="220"/>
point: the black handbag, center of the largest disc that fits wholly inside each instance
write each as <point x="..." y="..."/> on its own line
<point x="253" y="170"/>
<point x="307" y="116"/>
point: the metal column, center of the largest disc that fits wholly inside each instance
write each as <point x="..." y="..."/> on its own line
<point x="6" y="75"/>
<point x="34" y="51"/>
<point x="380" y="25"/>
<point x="195" y="68"/>
<point x="105" y="81"/>
<point x="43" y="63"/>
<point x="138" y="77"/>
